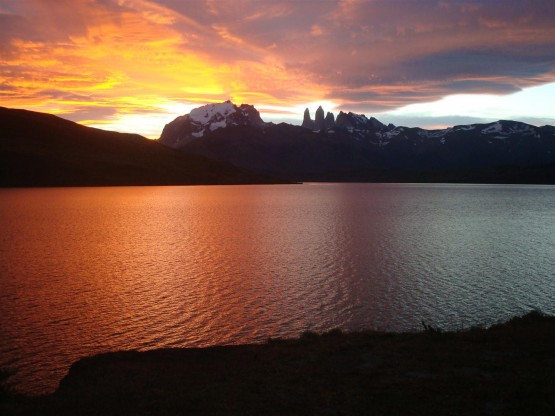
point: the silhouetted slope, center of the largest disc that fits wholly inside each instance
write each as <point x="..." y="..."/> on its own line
<point x="38" y="149"/>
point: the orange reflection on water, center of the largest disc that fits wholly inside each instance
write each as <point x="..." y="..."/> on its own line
<point x="88" y="270"/>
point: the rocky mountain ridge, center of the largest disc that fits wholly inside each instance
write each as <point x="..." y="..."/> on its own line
<point x="346" y="121"/>
<point x="353" y="147"/>
<point x="205" y="119"/>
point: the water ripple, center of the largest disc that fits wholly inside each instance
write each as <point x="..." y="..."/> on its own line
<point x="84" y="271"/>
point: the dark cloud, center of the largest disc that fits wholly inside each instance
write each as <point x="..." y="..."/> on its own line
<point x="66" y="95"/>
<point x="13" y="26"/>
<point x="460" y="64"/>
<point x="432" y="48"/>
<point x="4" y="87"/>
<point x="470" y="86"/>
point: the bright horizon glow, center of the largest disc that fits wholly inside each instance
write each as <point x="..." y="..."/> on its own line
<point x="528" y="104"/>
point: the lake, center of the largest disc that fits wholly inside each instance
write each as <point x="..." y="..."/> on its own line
<point x="90" y="270"/>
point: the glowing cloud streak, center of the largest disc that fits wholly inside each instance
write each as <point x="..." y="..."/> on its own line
<point x="132" y="65"/>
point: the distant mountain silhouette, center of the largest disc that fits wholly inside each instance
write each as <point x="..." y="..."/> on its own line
<point x="38" y="149"/>
<point x="356" y="148"/>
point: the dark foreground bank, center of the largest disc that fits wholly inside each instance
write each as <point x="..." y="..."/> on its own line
<point x="508" y="369"/>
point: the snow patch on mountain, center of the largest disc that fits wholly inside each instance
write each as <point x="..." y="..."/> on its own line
<point x="504" y="129"/>
<point x="217" y="125"/>
<point x="434" y="134"/>
<point x="360" y="118"/>
<point x="495" y="128"/>
<point x="395" y="132"/>
<point x="521" y="128"/>
<point x="208" y="112"/>
<point x="465" y="128"/>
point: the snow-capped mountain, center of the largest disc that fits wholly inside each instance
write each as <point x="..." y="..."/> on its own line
<point x="355" y="147"/>
<point x="203" y="120"/>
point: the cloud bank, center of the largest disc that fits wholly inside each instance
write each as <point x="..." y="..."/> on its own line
<point x="141" y="62"/>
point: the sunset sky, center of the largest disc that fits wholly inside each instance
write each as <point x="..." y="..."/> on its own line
<point x="134" y="65"/>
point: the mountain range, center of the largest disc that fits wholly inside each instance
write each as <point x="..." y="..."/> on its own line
<point x="352" y="147"/>
<point x="229" y="144"/>
<point x="38" y="149"/>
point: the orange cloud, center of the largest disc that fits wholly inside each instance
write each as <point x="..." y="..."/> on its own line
<point x="127" y="58"/>
<point x="104" y="61"/>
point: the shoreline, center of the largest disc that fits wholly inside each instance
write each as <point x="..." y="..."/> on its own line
<point x="502" y="370"/>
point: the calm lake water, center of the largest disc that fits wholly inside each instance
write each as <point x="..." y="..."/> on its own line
<point x="89" y="270"/>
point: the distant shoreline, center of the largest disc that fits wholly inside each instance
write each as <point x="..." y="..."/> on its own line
<point x="415" y="180"/>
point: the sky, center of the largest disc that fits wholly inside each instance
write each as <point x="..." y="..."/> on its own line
<point x="135" y="65"/>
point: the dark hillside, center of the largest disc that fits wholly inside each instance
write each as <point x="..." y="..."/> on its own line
<point x="39" y="149"/>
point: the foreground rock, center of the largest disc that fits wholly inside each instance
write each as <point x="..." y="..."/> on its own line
<point x="505" y="370"/>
